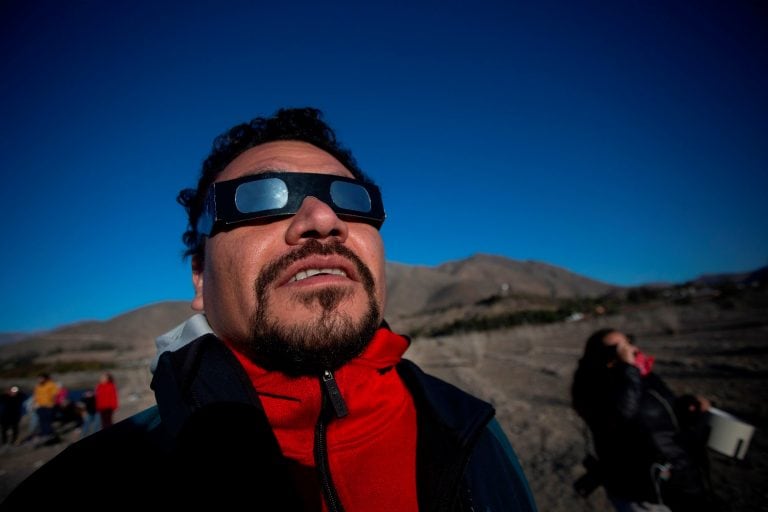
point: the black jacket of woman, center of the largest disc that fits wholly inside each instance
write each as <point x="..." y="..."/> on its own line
<point x="639" y="428"/>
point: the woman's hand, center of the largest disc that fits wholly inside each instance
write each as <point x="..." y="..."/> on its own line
<point x="626" y="352"/>
<point x="704" y="404"/>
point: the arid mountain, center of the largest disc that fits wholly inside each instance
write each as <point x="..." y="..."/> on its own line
<point x="738" y="279"/>
<point x="416" y="289"/>
<point x="12" y="337"/>
<point x="125" y="337"/>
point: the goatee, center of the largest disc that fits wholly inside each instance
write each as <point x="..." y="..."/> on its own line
<point x="325" y="343"/>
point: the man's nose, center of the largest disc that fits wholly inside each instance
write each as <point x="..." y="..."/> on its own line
<point x="315" y="220"/>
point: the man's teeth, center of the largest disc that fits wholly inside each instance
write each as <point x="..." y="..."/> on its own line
<point x="315" y="271"/>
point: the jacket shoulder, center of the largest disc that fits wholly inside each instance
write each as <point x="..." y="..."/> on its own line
<point x="442" y="401"/>
<point x="505" y="486"/>
<point x="452" y="419"/>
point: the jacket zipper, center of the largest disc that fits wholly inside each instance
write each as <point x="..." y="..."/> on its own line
<point x="333" y="393"/>
<point x="333" y="404"/>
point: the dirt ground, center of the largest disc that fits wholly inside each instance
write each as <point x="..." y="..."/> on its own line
<point x="526" y="372"/>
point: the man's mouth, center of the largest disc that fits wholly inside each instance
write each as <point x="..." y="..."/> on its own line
<point x="304" y="274"/>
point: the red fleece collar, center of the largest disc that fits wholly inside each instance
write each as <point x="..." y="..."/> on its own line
<point x="292" y="404"/>
<point x="375" y="443"/>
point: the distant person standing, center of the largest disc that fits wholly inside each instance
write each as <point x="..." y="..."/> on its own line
<point x="60" y="404"/>
<point x="91" y="420"/>
<point x="45" y="393"/>
<point x="12" y="407"/>
<point x="106" y="399"/>
<point x="33" y="424"/>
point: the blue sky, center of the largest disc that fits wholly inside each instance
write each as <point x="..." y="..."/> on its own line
<point x="625" y="141"/>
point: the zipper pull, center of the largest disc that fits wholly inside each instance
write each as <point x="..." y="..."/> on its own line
<point x="334" y="394"/>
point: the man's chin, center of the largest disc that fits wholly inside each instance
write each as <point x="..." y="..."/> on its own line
<point x="325" y="342"/>
<point x="309" y="348"/>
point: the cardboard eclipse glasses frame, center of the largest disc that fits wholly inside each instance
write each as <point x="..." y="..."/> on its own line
<point x="272" y="195"/>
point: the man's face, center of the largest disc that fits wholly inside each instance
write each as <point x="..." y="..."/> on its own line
<point x="259" y="287"/>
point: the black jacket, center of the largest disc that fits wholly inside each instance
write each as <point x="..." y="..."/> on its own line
<point x="209" y="441"/>
<point x="638" y="425"/>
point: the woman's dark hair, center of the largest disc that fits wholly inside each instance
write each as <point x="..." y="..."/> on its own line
<point x="299" y="124"/>
<point x="595" y="359"/>
<point x="596" y="353"/>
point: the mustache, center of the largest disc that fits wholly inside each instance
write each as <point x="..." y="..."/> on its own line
<point x="272" y="271"/>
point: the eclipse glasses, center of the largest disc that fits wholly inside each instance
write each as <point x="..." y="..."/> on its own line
<point x="271" y="195"/>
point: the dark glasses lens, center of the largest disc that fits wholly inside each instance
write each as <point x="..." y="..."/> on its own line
<point x="256" y="196"/>
<point x="271" y="195"/>
<point x="350" y="196"/>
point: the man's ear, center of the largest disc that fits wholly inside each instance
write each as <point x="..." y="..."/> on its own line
<point x="197" y="282"/>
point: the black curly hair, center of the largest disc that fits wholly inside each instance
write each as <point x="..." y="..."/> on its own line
<point x="300" y="124"/>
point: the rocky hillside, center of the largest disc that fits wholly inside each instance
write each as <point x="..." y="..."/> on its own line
<point x="417" y="289"/>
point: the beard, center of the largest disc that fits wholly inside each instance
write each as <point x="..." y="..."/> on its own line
<point x="327" y="341"/>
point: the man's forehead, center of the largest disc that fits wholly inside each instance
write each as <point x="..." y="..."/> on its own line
<point x="289" y="155"/>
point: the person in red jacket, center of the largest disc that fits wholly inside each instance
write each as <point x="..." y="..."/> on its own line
<point x="106" y="398"/>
